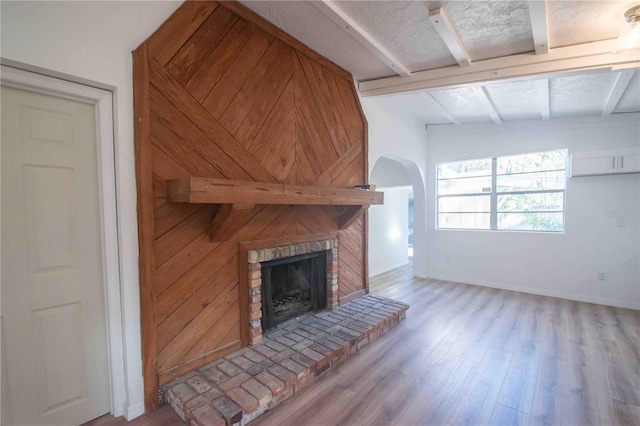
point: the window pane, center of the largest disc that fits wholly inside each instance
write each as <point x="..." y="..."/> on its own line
<point x="472" y="185"/>
<point x="531" y="181"/>
<point x="468" y="168"/>
<point x="531" y="202"/>
<point x="551" y="222"/>
<point x="464" y="220"/>
<point x="539" y="161"/>
<point x="470" y="204"/>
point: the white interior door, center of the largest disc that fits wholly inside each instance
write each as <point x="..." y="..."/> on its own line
<point x="53" y="311"/>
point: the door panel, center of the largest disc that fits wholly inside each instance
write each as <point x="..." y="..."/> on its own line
<point x="54" y="323"/>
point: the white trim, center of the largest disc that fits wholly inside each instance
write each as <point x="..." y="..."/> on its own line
<point x="617" y="90"/>
<point x="545" y="100"/>
<point x="103" y="101"/>
<point x="537" y="291"/>
<point x="344" y="21"/>
<point x="539" y="25"/>
<point x="581" y="57"/>
<point x="133" y="411"/>
<point x="444" y="111"/>
<point x="447" y="33"/>
<point x="483" y="97"/>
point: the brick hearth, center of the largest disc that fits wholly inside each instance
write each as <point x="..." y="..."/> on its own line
<point x="245" y="384"/>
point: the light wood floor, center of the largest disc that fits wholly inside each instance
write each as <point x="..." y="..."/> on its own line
<point x="473" y="355"/>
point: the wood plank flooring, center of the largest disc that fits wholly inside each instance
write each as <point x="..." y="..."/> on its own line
<point x="473" y="355"/>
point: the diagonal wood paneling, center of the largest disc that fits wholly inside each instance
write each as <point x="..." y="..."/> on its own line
<point x="221" y="93"/>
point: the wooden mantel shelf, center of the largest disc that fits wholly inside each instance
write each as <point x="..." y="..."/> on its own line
<point x="238" y="198"/>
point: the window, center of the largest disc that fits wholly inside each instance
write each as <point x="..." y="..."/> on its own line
<point x="514" y="193"/>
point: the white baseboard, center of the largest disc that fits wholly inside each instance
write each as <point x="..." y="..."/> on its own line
<point x="133" y="411"/>
<point x="539" y="292"/>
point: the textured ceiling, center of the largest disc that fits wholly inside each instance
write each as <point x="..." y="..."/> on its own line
<point x="519" y="100"/>
<point x="486" y="29"/>
<point x="490" y="29"/>
<point x="412" y="38"/>
<point x="576" y="22"/>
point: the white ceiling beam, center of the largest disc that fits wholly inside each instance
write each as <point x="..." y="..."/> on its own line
<point x="545" y="99"/>
<point x="344" y="21"/>
<point x="449" y="116"/>
<point x="539" y="25"/>
<point x="448" y="34"/>
<point x="582" y="57"/>
<point x="619" y="87"/>
<point x="483" y="97"/>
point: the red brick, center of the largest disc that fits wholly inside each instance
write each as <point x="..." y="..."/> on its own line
<point x="199" y="383"/>
<point x="234" y="381"/>
<point x="285" y="341"/>
<point x="242" y="362"/>
<point x="310" y="353"/>
<point x="255" y="267"/>
<point x="254" y="307"/>
<point x="200" y="400"/>
<point x="255" y="283"/>
<point x="301" y="359"/>
<point x="255" y="299"/>
<point x="244" y="399"/>
<point x="181" y="393"/>
<point x="254" y="316"/>
<point x="258" y="390"/>
<point x="296" y="368"/>
<point x="275" y="345"/>
<point x="284" y="354"/>
<point x="275" y="385"/>
<point x="254" y="340"/>
<point x="303" y="382"/>
<point x="280" y="398"/>
<point x="214" y="375"/>
<point x="255" y="274"/>
<point x="254" y="356"/>
<point x="265" y="350"/>
<point x="375" y="333"/>
<point x="286" y="376"/>
<point x="206" y="416"/>
<point x="231" y="412"/>
<point x="255" y="331"/>
<point x="229" y="369"/>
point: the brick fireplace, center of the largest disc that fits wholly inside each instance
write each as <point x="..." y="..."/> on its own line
<point x="259" y="256"/>
<point x="230" y="161"/>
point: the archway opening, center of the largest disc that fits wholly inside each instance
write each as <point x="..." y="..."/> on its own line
<point x="397" y="229"/>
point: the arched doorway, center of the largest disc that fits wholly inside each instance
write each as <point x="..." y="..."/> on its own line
<point x="398" y="177"/>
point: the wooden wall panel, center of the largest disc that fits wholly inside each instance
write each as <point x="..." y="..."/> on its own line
<point x="220" y="93"/>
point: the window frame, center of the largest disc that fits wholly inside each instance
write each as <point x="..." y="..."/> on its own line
<point x="494" y="194"/>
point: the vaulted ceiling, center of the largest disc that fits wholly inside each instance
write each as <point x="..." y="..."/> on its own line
<point x="471" y="61"/>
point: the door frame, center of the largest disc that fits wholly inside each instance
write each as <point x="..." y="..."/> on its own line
<point x="106" y="166"/>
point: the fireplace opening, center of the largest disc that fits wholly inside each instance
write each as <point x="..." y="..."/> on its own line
<point x="292" y="286"/>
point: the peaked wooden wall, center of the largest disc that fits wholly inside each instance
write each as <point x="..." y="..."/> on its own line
<point x="221" y="93"/>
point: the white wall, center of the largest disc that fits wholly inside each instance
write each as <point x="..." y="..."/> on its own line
<point x="92" y="42"/>
<point x="400" y="136"/>
<point x="563" y="265"/>
<point x="388" y="231"/>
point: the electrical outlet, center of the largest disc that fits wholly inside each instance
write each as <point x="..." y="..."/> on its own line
<point x="601" y="276"/>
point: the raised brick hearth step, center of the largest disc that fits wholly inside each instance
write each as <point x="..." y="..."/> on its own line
<point x="245" y="384"/>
